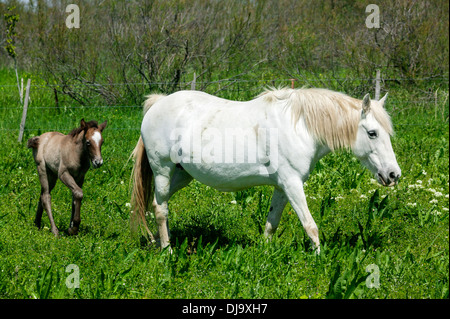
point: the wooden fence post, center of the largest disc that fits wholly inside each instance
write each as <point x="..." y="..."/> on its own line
<point x="21" y="91"/>
<point x="25" y="109"/>
<point x="193" y="82"/>
<point x="377" y="85"/>
<point x="292" y="83"/>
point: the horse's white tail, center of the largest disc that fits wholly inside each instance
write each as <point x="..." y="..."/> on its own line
<point x="142" y="178"/>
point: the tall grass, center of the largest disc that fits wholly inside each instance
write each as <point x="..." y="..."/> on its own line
<point x="218" y="250"/>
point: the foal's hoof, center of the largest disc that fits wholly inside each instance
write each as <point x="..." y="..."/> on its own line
<point x="72" y="231"/>
<point x="55" y="232"/>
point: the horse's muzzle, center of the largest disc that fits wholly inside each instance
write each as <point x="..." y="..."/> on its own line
<point x="389" y="177"/>
<point x="97" y="162"/>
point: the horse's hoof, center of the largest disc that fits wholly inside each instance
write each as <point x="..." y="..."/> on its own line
<point x="72" y="231"/>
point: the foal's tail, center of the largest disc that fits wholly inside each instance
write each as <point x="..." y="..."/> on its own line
<point x="142" y="179"/>
<point x="33" y="142"/>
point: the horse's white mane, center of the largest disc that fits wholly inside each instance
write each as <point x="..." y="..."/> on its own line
<point x="332" y="117"/>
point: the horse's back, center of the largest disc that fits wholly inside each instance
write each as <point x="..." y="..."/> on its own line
<point x="46" y="148"/>
<point x="188" y="108"/>
<point x="187" y="111"/>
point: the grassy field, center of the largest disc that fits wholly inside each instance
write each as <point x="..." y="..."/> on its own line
<point x="395" y="238"/>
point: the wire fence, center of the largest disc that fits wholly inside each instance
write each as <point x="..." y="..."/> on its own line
<point x="422" y="98"/>
<point x="186" y="83"/>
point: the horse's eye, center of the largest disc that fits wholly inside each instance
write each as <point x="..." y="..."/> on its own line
<point x="88" y="142"/>
<point x="372" y="134"/>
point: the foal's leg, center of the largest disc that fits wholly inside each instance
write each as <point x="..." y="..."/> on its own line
<point x="296" y="195"/>
<point x="75" y="218"/>
<point x="279" y="201"/>
<point x="48" y="181"/>
<point x="51" y="180"/>
<point x="77" y="196"/>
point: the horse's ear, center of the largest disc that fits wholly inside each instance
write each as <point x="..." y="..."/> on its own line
<point x="383" y="99"/>
<point x="365" y="105"/>
<point x="82" y="123"/>
<point x="80" y="135"/>
<point x="102" y="126"/>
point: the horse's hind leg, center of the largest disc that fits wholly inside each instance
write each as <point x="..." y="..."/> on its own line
<point x="279" y="201"/>
<point x="40" y="210"/>
<point x="162" y="187"/>
<point x="163" y="174"/>
<point x="179" y="180"/>
<point x="51" y="179"/>
<point x="48" y="181"/>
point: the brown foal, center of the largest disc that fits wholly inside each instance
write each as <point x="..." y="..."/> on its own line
<point x="66" y="157"/>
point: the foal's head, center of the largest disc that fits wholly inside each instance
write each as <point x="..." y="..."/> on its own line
<point x="90" y="134"/>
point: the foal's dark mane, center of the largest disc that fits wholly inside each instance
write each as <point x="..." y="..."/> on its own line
<point x="78" y="130"/>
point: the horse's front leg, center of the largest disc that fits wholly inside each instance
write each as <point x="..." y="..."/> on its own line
<point x="75" y="218"/>
<point x="296" y="195"/>
<point x="77" y="197"/>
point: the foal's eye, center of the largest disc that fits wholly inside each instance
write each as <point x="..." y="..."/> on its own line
<point x="372" y="134"/>
<point x="88" y="142"/>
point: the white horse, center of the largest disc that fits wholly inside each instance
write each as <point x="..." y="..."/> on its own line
<point x="274" y="139"/>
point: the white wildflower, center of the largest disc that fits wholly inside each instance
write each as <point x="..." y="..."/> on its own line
<point x="438" y="194"/>
<point x="433" y="201"/>
<point x="233" y="202"/>
<point x="411" y="204"/>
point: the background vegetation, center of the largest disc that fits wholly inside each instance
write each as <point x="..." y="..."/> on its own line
<point x="127" y="49"/>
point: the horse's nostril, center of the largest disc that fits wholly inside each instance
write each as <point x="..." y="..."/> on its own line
<point x="392" y="176"/>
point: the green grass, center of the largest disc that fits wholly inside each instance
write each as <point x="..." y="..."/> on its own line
<point x="218" y="249"/>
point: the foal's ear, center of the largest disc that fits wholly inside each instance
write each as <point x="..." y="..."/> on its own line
<point x="365" y="105"/>
<point x="82" y="123"/>
<point x="102" y="126"/>
<point x="80" y="136"/>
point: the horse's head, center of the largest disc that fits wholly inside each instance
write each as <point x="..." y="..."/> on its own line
<point x="373" y="144"/>
<point x="93" y="141"/>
